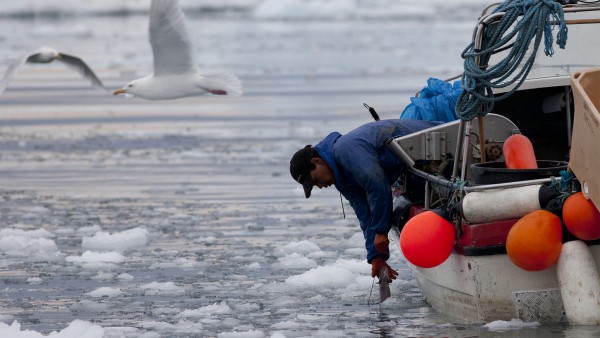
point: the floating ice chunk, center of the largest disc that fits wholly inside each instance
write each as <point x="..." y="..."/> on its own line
<point x="162" y="326"/>
<point x="296" y="261"/>
<point x="277" y="334"/>
<point x="499" y="325"/>
<point x="185" y="326"/>
<point x="208" y="239"/>
<point x="209" y="310"/>
<point x="253" y="266"/>
<point x="364" y="282"/>
<point x="32" y="248"/>
<point x="105" y="292"/>
<point x="34" y="280"/>
<point x="103" y="276"/>
<point x="323" y="276"/>
<point x="92" y="257"/>
<point x="358" y="266"/>
<point x="356" y="241"/>
<point x="355" y="252"/>
<point x="125" y="277"/>
<point x="302" y="247"/>
<point x="247" y="307"/>
<point x="168" y="288"/>
<point x="64" y="231"/>
<point x="77" y="328"/>
<point x="127" y="239"/>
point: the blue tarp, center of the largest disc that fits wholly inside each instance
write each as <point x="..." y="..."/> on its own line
<point x="435" y="103"/>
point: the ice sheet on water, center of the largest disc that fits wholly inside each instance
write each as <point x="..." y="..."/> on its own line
<point x="97" y="257"/>
<point x="123" y="240"/>
<point x="97" y="260"/>
<point x="77" y="328"/>
<point x="323" y="276"/>
<point x="105" y="292"/>
<point x="33" y="246"/>
<point x="500" y="325"/>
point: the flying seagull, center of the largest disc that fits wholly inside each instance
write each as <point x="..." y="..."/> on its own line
<point x="47" y="55"/>
<point x="175" y="72"/>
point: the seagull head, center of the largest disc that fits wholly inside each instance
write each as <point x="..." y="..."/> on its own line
<point x="130" y="89"/>
<point x="47" y="54"/>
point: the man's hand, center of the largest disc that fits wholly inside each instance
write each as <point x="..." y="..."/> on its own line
<point x="377" y="264"/>
<point x="382" y="244"/>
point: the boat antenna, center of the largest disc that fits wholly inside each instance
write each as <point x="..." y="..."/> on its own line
<point x="372" y="111"/>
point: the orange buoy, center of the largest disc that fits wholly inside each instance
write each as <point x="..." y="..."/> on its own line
<point x="518" y="153"/>
<point x="535" y="241"/>
<point x="581" y="217"/>
<point x="427" y="239"/>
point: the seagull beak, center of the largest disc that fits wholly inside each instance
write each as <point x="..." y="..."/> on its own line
<point x="119" y="91"/>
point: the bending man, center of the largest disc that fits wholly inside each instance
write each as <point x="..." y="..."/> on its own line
<point x="362" y="169"/>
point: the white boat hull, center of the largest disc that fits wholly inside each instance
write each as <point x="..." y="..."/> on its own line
<point x="476" y="289"/>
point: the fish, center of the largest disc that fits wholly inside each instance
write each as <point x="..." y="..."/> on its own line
<point x="384" y="285"/>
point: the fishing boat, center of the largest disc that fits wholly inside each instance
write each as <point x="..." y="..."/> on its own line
<point x="459" y="168"/>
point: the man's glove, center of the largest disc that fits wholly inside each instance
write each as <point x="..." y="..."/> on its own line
<point x="377" y="264"/>
<point x="382" y="244"/>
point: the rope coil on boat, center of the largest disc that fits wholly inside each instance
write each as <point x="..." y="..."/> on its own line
<point x="530" y="21"/>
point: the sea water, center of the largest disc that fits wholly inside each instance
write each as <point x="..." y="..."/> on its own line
<point x="132" y="218"/>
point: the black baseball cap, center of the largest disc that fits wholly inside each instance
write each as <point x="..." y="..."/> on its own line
<point x="301" y="166"/>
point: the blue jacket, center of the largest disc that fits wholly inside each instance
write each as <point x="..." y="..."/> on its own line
<point x="364" y="170"/>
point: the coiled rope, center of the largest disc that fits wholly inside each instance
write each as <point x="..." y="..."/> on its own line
<point x="479" y="79"/>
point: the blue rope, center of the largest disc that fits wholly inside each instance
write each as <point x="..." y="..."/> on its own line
<point x="562" y="186"/>
<point x="477" y="82"/>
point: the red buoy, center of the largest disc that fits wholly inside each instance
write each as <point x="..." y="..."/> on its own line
<point x="427" y="239"/>
<point x="581" y="217"/>
<point x="535" y="241"/>
<point x="518" y="153"/>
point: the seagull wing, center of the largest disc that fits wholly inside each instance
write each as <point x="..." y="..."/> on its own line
<point x="82" y="68"/>
<point x="171" y="45"/>
<point x="11" y="71"/>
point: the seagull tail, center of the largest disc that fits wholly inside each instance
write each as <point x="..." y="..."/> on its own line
<point x="224" y="84"/>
